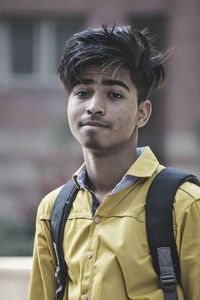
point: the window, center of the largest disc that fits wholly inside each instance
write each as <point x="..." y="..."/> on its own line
<point x="21" y="32"/>
<point x="32" y="47"/>
<point x="64" y="30"/>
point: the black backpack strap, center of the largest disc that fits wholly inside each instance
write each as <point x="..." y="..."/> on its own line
<point x="159" y="227"/>
<point x="59" y="215"/>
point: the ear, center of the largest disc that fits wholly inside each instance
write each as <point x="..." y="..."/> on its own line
<point x="144" y="113"/>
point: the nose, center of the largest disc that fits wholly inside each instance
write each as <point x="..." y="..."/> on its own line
<point x="96" y="105"/>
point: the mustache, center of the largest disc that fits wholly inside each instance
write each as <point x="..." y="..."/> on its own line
<point x="95" y="121"/>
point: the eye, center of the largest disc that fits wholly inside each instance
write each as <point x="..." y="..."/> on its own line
<point x="115" y="95"/>
<point x="82" y="94"/>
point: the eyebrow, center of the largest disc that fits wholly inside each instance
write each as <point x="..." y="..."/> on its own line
<point x="105" y="82"/>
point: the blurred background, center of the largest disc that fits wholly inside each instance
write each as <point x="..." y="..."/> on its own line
<point x="37" y="152"/>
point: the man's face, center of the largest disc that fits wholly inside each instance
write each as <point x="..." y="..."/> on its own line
<point x="102" y="110"/>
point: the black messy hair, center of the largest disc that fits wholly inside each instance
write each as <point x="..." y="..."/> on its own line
<point x="113" y="48"/>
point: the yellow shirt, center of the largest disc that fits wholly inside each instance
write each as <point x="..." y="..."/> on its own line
<point x="107" y="254"/>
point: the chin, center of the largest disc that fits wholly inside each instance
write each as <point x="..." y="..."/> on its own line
<point x="93" y="144"/>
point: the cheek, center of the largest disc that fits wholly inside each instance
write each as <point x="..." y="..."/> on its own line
<point x="71" y="116"/>
<point x="126" y="121"/>
<point x="72" y="110"/>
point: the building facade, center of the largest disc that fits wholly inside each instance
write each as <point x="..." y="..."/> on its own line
<point x="37" y="152"/>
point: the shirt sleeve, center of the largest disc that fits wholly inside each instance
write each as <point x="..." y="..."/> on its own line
<point x="189" y="240"/>
<point x="43" y="282"/>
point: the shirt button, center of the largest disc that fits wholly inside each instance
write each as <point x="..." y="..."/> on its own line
<point x="90" y="254"/>
<point x="84" y="297"/>
<point x="97" y="220"/>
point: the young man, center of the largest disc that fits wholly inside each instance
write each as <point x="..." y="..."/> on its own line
<point x="109" y="74"/>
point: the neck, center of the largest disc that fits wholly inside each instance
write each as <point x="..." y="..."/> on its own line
<point x="106" y="170"/>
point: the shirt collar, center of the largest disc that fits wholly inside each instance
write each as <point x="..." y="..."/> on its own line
<point x="79" y="177"/>
<point x="144" y="166"/>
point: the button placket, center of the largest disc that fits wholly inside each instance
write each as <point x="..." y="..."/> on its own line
<point x="84" y="297"/>
<point x="90" y="255"/>
<point x="97" y="219"/>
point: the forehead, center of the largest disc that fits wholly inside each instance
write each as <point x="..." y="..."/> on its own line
<point x="99" y="74"/>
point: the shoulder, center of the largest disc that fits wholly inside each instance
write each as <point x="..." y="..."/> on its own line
<point x="45" y="206"/>
<point x="187" y="198"/>
<point x="188" y="191"/>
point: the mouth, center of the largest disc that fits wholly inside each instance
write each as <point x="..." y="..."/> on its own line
<point x="95" y="123"/>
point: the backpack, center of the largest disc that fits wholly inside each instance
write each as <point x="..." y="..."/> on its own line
<point x="159" y="229"/>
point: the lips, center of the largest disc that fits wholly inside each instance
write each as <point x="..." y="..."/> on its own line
<point x="95" y="123"/>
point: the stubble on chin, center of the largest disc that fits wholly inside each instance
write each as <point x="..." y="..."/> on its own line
<point x="93" y="144"/>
